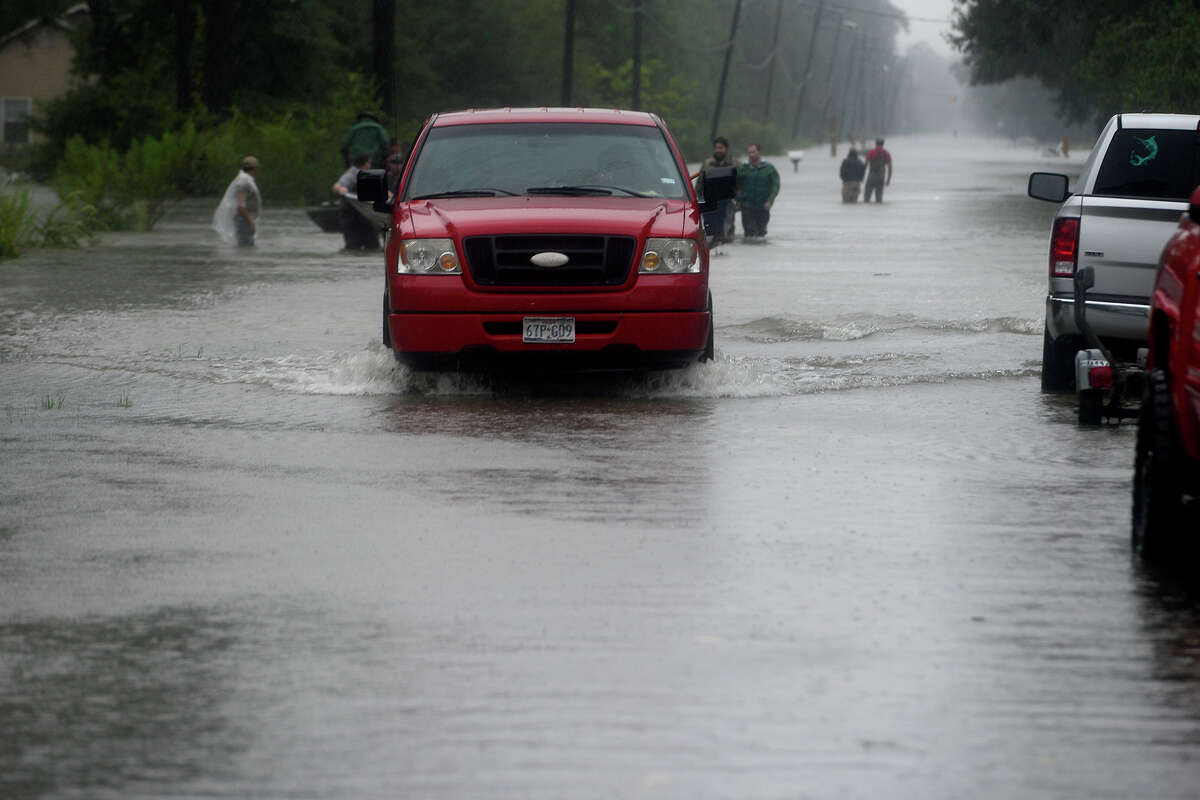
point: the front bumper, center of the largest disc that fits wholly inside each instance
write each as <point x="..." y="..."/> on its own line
<point x="1110" y="319"/>
<point x="603" y="340"/>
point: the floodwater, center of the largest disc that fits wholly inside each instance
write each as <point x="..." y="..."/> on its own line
<point x="243" y="554"/>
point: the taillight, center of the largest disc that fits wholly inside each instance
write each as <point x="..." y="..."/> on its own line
<point x="1100" y="377"/>
<point x="1064" y="247"/>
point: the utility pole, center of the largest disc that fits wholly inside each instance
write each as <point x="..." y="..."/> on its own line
<point x="568" y="52"/>
<point x="842" y="108"/>
<point x="858" y="91"/>
<point x="383" y="32"/>
<point x="771" y="66"/>
<point x="897" y="86"/>
<point x="637" y="55"/>
<point x="737" y="10"/>
<point x="812" y="41"/>
<point x="842" y="24"/>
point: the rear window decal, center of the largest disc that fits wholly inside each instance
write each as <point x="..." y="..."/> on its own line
<point x="1151" y="152"/>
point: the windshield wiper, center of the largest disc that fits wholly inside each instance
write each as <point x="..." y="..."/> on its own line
<point x="483" y="192"/>
<point x="569" y="190"/>
<point x="584" y="189"/>
<point x="605" y="186"/>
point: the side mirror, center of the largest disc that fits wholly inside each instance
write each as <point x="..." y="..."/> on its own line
<point x="720" y="183"/>
<point x="372" y="187"/>
<point x="1194" y="206"/>
<point x="1048" y="186"/>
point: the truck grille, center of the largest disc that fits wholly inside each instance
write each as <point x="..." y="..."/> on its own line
<point x="594" y="260"/>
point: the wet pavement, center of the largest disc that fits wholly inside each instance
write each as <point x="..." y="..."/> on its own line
<point x="242" y="554"/>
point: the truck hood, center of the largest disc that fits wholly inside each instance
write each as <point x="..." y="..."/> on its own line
<point x="490" y="216"/>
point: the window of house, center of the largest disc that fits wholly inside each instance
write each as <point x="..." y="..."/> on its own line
<point x="16" y="111"/>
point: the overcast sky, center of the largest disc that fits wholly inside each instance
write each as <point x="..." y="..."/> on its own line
<point x="930" y="32"/>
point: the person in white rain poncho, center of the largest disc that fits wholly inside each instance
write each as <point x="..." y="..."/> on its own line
<point x="235" y="219"/>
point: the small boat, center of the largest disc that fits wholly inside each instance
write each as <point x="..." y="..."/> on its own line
<point x="325" y="216"/>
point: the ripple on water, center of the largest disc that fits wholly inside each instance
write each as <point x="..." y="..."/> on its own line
<point x="861" y="326"/>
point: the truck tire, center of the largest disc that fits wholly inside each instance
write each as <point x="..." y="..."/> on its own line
<point x="1157" y="495"/>
<point x="387" y="334"/>
<point x="710" y="349"/>
<point x="1091" y="405"/>
<point x="1058" y="362"/>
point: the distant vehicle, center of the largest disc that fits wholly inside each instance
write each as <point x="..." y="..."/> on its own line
<point x="1127" y="200"/>
<point x="1167" y="465"/>
<point x="563" y="236"/>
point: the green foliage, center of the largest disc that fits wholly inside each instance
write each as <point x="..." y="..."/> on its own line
<point x="133" y="189"/>
<point x="1099" y="56"/>
<point x="93" y="173"/>
<point x="1148" y="61"/>
<point x="18" y="224"/>
<point x="297" y="150"/>
<point x="68" y="225"/>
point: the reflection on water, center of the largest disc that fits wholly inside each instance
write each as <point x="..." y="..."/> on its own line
<point x="583" y="458"/>
<point x="100" y="706"/>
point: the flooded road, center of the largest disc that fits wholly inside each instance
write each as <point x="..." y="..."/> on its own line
<point x="242" y="554"/>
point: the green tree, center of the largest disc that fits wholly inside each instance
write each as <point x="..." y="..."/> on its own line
<point x="1098" y="56"/>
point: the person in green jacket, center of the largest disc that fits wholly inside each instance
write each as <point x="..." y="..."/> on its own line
<point x="757" y="186"/>
<point x="366" y="136"/>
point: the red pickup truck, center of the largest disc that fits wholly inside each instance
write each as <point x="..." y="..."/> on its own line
<point x="1167" y="467"/>
<point x="565" y="235"/>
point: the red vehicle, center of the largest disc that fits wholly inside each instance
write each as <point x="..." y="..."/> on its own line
<point x="569" y="235"/>
<point x="1167" y="468"/>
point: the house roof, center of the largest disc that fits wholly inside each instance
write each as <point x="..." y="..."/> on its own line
<point x="68" y="20"/>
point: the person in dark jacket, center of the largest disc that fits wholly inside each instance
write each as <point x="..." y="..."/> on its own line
<point x="852" y="172"/>
<point x="757" y="186"/>
<point x="366" y="136"/>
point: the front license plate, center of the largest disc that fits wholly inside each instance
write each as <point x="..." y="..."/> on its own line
<point x="548" y="329"/>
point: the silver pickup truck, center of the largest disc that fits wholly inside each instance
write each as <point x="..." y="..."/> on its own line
<point x="1127" y="201"/>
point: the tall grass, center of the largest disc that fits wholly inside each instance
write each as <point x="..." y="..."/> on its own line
<point x="18" y="223"/>
<point x="69" y="224"/>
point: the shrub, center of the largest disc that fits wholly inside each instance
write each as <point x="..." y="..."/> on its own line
<point x="93" y="174"/>
<point x="133" y="189"/>
<point x="18" y="223"/>
<point x="69" y="224"/>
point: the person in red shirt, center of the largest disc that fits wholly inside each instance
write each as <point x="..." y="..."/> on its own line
<point x="879" y="172"/>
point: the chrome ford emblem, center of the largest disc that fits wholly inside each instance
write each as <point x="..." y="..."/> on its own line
<point x="549" y="259"/>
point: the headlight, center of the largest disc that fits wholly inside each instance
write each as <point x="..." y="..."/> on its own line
<point x="663" y="256"/>
<point x="428" y="257"/>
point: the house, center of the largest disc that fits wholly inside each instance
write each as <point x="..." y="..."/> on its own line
<point x="35" y="66"/>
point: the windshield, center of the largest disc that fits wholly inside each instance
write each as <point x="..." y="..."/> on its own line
<point x="579" y="159"/>
<point x="1150" y="163"/>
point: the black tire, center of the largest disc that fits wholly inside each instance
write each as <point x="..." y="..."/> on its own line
<point x="387" y="334"/>
<point x="1157" y="494"/>
<point x="1058" y="362"/>
<point x="1091" y="405"/>
<point x="710" y="349"/>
